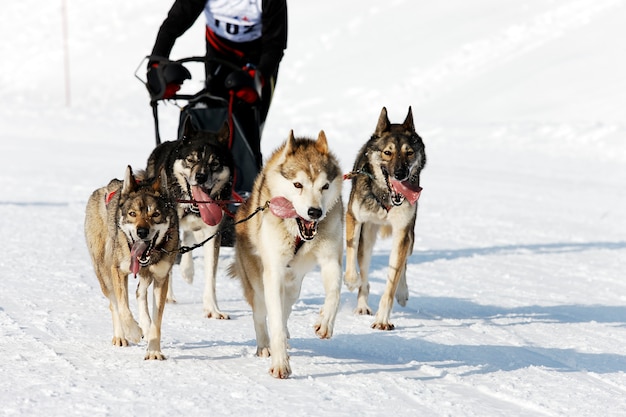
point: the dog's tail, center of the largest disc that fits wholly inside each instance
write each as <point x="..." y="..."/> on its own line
<point x="237" y="270"/>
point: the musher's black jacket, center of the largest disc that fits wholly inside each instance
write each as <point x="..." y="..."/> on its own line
<point x="265" y="53"/>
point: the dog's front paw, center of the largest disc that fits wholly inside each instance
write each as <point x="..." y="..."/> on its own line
<point x="363" y="310"/>
<point x="402" y="295"/>
<point x="215" y="314"/>
<point x="381" y="321"/>
<point x="382" y="326"/>
<point x="263" y="352"/>
<point x="132" y="332"/>
<point x="170" y="297"/>
<point x="323" y="331"/>
<point x="154" y="355"/>
<point x="281" y="370"/>
<point x="119" y="341"/>
<point x="352" y="279"/>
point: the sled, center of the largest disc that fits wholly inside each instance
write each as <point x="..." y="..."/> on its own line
<point x="206" y="112"/>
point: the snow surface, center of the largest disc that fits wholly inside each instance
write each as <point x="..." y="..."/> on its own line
<point x="517" y="290"/>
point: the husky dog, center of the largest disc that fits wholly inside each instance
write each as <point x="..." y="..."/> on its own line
<point x="385" y="190"/>
<point x="200" y="168"/>
<point x="302" y="182"/>
<point x="132" y="227"/>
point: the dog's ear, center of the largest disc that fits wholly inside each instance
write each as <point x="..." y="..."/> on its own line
<point x="290" y="144"/>
<point x="223" y="135"/>
<point x="159" y="185"/>
<point x="188" y="129"/>
<point x="408" y="122"/>
<point x="130" y="183"/>
<point x="322" y="144"/>
<point x="383" y="122"/>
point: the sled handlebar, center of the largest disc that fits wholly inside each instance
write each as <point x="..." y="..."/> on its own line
<point x="162" y="62"/>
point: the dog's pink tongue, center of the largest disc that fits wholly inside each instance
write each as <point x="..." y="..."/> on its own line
<point x="281" y="207"/>
<point x="409" y="191"/>
<point x="210" y="212"/>
<point x="138" y="248"/>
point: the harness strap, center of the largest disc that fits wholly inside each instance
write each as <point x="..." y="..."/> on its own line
<point x="109" y="197"/>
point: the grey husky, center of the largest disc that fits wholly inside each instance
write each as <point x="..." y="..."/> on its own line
<point x="200" y="170"/>
<point x="384" y="194"/>
<point x="131" y="227"/>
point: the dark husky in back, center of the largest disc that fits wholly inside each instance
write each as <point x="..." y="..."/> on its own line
<point x="385" y="190"/>
<point x="200" y="170"/>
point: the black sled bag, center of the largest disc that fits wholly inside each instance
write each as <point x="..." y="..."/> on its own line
<point x="209" y="115"/>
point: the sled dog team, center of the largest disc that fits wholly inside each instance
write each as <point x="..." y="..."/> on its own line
<point x="292" y="221"/>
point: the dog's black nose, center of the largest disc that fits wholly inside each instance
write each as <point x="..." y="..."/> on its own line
<point x="315" y="213"/>
<point x="401" y="173"/>
<point x="142" y="232"/>
<point x="201" y="177"/>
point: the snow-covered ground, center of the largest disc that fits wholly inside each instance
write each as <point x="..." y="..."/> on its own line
<point x="517" y="288"/>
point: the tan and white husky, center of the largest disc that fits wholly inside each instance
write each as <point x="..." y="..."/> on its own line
<point x="275" y="248"/>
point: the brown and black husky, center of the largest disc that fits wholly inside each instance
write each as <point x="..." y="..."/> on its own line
<point x="385" y="190"/>
<point x="131" y="227"/>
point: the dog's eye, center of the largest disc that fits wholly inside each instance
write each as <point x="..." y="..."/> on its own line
<point x="326" y="186"/>
<point x="297" y="185"/>
<point x="410" y="153"/>
<point x="132" y="214"/>
<point x="388" y="153"/>
<point x="156" y="214"/>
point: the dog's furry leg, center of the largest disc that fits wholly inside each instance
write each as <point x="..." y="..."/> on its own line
<point x="331" y="277"/>
<point x="131" y="330"/>
<point x="118" y="332"/>
<point x="353" y="235"/>
<point x="402" y="244"/>
<point x="142" y="304"/>
<point x="209" y="299"/>
<point x="291" y="292"/>
<point x="186" y="259"/>
<point x="364" y="257"/>
<point x="259" y="316"/>
<point x="255" y="296"/>
<point x="154" y="334"/>
<point x="273" y="287"/>
<point x="171" y="298"/>
<point x="402" y="293"/>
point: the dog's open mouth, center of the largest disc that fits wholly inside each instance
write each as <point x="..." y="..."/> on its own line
<point x="283" y="208"/>
<point x="399" y="190"/>
<point x="308" y="229"/>
<point x="140" y="253"/>
<point x="404" y="189"/>
<point x="210" y="212"/>
<point x="396" y="197"/>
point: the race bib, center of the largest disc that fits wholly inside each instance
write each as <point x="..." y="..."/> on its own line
<point x="235" y="20"/>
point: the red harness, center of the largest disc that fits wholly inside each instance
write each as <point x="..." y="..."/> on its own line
<point x="109" y="197"/>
